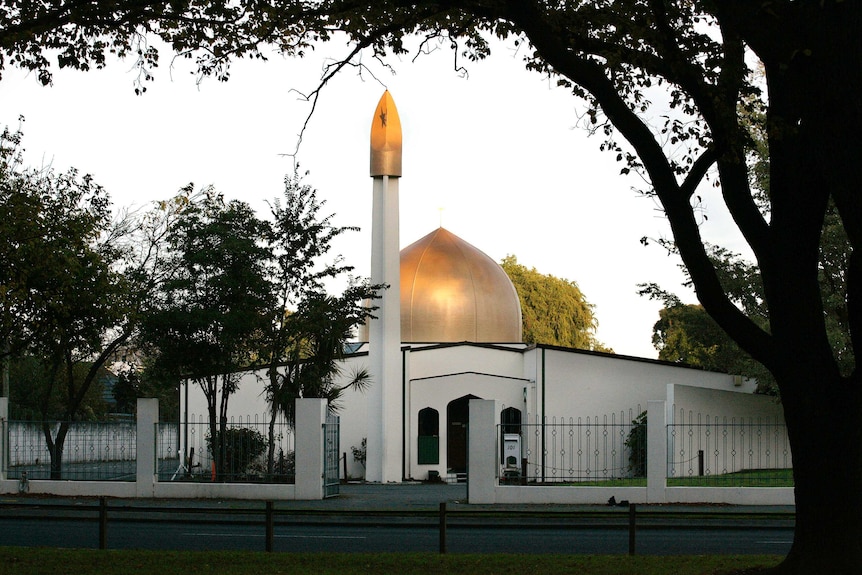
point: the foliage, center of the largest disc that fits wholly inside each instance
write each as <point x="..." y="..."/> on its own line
<point x="238" y="448"/>
<point x="309" y="329"/>
<point x="685" y="333"/>
<point x="136" y="381"/>
<point x="675" y="80"/>
<point x="29" y="377"/>
<point x="688" y="334"/>
<point x="554" y="311"/>
<point x="636" y="442"/>
<point x="210" y="315"/>
<point x="211" y="312"/>
<point x="66" y="299"/>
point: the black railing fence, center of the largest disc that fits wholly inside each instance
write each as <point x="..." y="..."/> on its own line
<point x="238" y="450"/>
<point x="612" y="450"/>
<point x="573" y="450"/>
<point x="79" y="450"/>
<point x="726" y="451"/>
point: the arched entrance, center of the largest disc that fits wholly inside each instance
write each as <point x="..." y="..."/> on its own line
<point x="457" y="419"/>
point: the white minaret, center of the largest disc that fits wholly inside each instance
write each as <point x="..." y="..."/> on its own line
<point x="385" y="418"/>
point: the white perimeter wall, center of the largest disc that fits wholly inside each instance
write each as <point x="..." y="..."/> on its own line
<point x="580" y="385"/>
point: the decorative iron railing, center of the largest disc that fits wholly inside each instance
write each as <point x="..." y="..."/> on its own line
<point x="78" y="450"/>
<point x="240" y="450"/>
<point x="727" y="452"/>
<point x="583" y="450"/>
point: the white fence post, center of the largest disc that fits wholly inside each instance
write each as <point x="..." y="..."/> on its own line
<point x="310" y="418"/>
<point x="656" y="451"/>
<point x="4" y="434"/>
<point x="482" y="448"/>
<point x="148" y="417"/>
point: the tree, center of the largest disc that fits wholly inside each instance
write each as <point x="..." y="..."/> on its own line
<point x="308" y="329"/>
<point x="669" y="78"/>
<point x="29" y="399"/>
<point x="685" y="333"/>
<point x="134" y="381"/>
<point x="688" y="334"/>
<point x="554" y="311"/>
<point x="74" y="282"/>
<point x="212" y="313"/>
<point x="66" y="303"/>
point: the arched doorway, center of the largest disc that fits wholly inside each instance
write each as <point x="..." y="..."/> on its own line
<point x="457" y="420"/>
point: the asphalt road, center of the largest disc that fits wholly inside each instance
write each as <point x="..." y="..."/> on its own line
<point x="394" y="518"/>
<point x="380" y="537"/>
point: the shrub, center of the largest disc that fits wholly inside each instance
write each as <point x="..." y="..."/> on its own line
<point x="636" y="442"/>
<point x="236" y="449"/>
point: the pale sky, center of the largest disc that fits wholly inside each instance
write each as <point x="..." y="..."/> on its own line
<point x="501" y="152"/>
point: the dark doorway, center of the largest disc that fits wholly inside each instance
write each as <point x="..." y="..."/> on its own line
<point x="457" y="418"/>
<point x="429" y="436"/>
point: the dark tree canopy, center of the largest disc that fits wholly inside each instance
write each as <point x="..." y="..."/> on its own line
<point x="674" y="80"/>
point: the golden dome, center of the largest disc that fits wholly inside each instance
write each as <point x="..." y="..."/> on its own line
<point x="451" y="291"/>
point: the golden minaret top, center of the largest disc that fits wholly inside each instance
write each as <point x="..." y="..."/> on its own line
<point x="386" y="139"/>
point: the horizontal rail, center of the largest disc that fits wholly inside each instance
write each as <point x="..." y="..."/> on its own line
<point x="624" y="517"/>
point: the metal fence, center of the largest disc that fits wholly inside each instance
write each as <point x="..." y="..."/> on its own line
<point x="89" y="451"/>
<point x="242" y="450"/>
<point x="728" y="452"/>
<point x="581" y="450"/>
<point x="331" y="455"/>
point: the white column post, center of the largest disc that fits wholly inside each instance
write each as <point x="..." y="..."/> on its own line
<point x="656" y="451"/>
<point x="148" y="417"/>
<point x="309" y="445"/>
<point x="482" y="449"/>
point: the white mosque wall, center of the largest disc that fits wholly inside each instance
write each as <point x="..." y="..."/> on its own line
<point x="686" y="402"/>
<point x="577" y="384"/>
<point x="353" y="416"/>
<point x="249" y="401"/>
<point x="446" y="359"/>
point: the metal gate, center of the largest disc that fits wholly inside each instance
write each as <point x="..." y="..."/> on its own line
<point x="331" y="455"/>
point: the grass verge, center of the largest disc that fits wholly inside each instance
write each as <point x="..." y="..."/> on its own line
<point x="744" y="478"/>
<point x="50" y="561"/>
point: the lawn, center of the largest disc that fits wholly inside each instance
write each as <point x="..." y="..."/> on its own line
<point x="744" y="478"/>
<point x="44" y="561"/>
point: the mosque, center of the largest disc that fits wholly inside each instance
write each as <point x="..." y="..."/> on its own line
<point x="449" y="330"/>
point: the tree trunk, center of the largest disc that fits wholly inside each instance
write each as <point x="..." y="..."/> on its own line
<point x="55" y="447"/>
<point x="826" y="443"/>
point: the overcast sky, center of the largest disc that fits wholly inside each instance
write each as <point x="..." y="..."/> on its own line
<point x="500" y="157"/>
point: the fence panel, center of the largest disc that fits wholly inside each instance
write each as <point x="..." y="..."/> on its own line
<point x="583" y="450"/>
<point x="90" y="451"/>
<point x="241" y="450"/>
<point x="728" y="452"/>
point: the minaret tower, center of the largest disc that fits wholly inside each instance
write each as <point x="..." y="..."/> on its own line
<point x="385" y="417"/>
